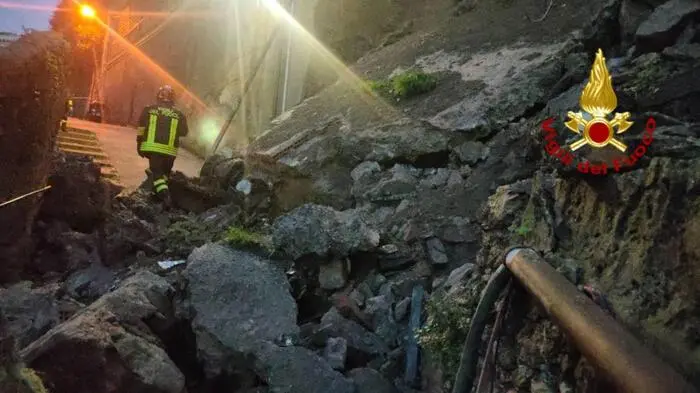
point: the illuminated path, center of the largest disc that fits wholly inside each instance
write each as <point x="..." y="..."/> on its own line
<point x="119" y="143"/>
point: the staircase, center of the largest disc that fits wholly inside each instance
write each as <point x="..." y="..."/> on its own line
<point x="79" y="142"/>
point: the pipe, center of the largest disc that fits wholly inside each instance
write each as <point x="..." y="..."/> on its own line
<point x="466" y="373"/>
<point x="599" y="337"/>
<point x="13" y="200"/>
<point x="412" y="349"/>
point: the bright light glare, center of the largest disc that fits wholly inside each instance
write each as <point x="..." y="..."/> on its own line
<point x="344" y="73"/>
<point x="87" y="11"/>
<point x="210" y="130"/>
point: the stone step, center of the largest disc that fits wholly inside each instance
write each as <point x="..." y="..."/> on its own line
<point x="82" y="141"/>
<point x="80" y="131"/>
<point x="80" y="147"/>
<point x="100" y="156"/>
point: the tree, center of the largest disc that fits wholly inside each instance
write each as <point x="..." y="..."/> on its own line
<point x="85" y="36"/>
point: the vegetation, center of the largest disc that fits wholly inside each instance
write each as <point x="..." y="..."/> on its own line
<point x="527" y="221"/>
<point x="183" y="236"/>
<point x="647" y="74"/>
<point x="443" y="334"/>
<point x="241" y="237"/>
<point x="405" y="85"/>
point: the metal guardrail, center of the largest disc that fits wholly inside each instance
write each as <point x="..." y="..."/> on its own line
<point x="602" y="340"/>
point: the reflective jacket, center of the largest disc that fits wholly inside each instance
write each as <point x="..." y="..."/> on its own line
<point x="160" y="127"/>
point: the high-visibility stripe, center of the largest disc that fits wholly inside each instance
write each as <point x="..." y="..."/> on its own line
<point x="158" y="148"/>
<point x="152" y="124"/>
<point x="140" y="131"/>
<point x="161" y="188"/>
<point x="159" y="182"/>
<point x="173" y="131"/>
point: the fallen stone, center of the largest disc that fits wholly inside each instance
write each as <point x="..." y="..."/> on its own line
<point x="683" y="52"/>
<point x="235" y="300"/>
<point x="378" y="305"/>
<point x="370" y="381"/>
<point x="320" y="169"/>
<point x="394" y="261"/>
<point x="90" y="283"/>
<point x="333" y="275"/>
<point x="665" y="24"/>
<point x="298" y="370"/>
<point x="471" y="152"/>
<point x="358" y="296"/>
<point x="365" y="169"/>
<point x="360" y="341"/>
<point x="30" y="312"/>
<point x="401" y="309"/>
<point x="456" y="276"/>
<point x="632" y="14"/>
<point x="335" y="352"/>
<point x="398" y="183"/>
<point x="109" y="347"/>
<point x="188" y="194"/>
<point x="322" y="231"/>
<point x="436" y="251"/>
<point x="434" y="178"/>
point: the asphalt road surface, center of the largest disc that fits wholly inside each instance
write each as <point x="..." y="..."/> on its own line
<point x="119" y="143"/>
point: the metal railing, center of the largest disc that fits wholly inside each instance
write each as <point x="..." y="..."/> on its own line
<point x="602" y="340"/>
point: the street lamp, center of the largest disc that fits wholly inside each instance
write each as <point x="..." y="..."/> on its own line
<point x="87" y="11"/>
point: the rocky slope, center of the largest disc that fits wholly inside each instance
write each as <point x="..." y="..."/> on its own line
<point x="307" y="256"/>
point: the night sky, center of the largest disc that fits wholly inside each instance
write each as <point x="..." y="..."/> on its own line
<point x="32" y="14"/>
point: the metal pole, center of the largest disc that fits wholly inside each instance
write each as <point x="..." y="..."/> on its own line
<point x="246" y="87"/>
<point x="287" y="61"/>
<point x="597" y="335"/>
<point x="13" y="200"/>
<point x="104" y="58"/>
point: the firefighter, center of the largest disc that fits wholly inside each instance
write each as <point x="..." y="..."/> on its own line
<point x="160" y="127"/>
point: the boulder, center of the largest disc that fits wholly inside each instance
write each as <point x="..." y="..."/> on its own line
<point x="335" y="352"/>
<point x="362" y="344"/>
<point x="235" y="300"/>
<point x="514" y="79"/>
<point x="188" y="194"/>
<point x="298" y="370"/>
<point x="317" y="165"/>
<point x="90" y="283"/>
<point x="79" y="196"/>
<point x="111" y="346"/>
<point x="30" y="312"/>
<point x="62" y="250"/>
<point x="333" y="275"/>
<point x="322" y="231"/>
<point x="368" y="380"/>
<point x="665" y="24"/>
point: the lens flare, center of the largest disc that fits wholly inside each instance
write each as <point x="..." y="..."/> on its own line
<point x="87" y="11"/>
<point x="344" y="73"/>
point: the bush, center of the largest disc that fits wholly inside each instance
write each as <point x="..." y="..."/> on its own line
<point x="443" y="335"/>
<point x="241" y="237"/>
<point x="405" y="85"/>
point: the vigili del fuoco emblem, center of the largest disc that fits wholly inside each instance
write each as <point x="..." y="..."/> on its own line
<point x="598" y="100"/>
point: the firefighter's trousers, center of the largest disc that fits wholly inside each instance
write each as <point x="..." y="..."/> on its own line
<point x="160" y="166"/>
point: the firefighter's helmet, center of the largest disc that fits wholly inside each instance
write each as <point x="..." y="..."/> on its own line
<point x="166" y="94"/>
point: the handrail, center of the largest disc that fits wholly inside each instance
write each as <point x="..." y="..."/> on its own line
<point x="597" y="335"/>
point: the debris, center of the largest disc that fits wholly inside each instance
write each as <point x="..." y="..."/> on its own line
<point x="165" y="265"/>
